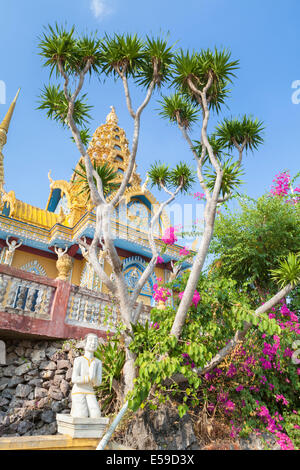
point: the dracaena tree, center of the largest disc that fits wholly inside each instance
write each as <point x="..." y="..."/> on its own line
<point x="72" y="58"/>
<point x="201" y="81"/>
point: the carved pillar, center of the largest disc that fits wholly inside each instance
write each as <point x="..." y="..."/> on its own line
<point x="64" y="266"/>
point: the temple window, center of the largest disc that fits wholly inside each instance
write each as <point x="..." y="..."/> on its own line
<point x="133" y="269"/>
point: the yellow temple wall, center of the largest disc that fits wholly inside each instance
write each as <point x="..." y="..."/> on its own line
<point x="78" y="266"/>
<point x="21" y="258"/>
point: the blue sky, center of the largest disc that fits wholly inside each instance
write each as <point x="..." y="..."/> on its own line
<point x="263" y="35"/>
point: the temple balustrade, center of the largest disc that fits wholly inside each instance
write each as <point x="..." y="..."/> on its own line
<point x="34" y="305"/>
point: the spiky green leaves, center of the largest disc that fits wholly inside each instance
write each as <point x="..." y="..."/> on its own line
<point x="62" y="47"/>
<point x="107" y="175"/>
<point x="181" y="177"/>
<point x="53" y="100"/>
<point x="144" y="60"/>
<point x="288" y="271"/>
<point x="157" y="64"/>
<point x="123" y="53"/>
<point x="194" y="71"/>
<point x="230" y="180"/>
<point x="178" y="109"/>
<point x="245" y="132"/>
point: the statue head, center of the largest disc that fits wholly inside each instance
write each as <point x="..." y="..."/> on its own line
<point x="91" y="342"/>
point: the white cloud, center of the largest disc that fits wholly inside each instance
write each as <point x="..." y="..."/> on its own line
<point x="100" y="8"/>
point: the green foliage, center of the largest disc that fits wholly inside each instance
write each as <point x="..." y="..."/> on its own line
<point x="64" y="48"/>
<point x="178" y="109"/>
<point x="157" y="64"/>
<point x="230" y="180"/>
<point x="222" y="311"/>
<point x="249" y="242"/>
<point x="123" y="52"/>
<point x="289" y="271"/>
<point x="85" y="136"/>
<point x="144" y="60"/>
<point x="181" y="176"/>
<point x="53" y="100"/>
<point x="113" y="359"/>
<point x="292" y="427"/>
<point x="246" y="131"/>
<point x="107" y="175"/>
<point x="193" y="69"/>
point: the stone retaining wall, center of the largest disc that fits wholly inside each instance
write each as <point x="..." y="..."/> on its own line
<point x="35" y="384"/>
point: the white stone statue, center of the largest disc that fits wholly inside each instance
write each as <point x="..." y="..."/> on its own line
<point x="87" y="374"/>
<point x="60" y="252"/>
<point x="12" y="246"/>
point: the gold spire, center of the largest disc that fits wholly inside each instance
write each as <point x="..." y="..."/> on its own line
<point x="3" y="132"/>
<point x="112" y="117"/>
<point x="6" y="121"/>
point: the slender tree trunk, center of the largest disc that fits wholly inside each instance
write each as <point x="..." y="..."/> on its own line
<point x="195" y="272"/>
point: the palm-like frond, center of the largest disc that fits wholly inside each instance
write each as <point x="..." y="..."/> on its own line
<point x="85" y="136"/>
<point x="288" y="271"/>
<point x="230" y="180"/>
<point x="159" y="174"/>
<point x="122" y="51"/>
<point x="182" y="175"/>
<point x="53" y="100"/>
<point x="106" y="173"/>
<point x="217" y="147"/>
<point x="157" y="63"/>
<point x="178" y="109"/>
<point x="196" y="68"/>
<point x="59" y="45"/>
<point x="246" y="131"/>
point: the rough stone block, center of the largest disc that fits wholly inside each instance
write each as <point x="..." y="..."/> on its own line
<point x="63" y="364"/>
<point x="38" y="355"/>
<point x="40" y="392"/>
<point x="55" y="393"/>
<point x="23" y="368"/>
<point x="23" y="391"/>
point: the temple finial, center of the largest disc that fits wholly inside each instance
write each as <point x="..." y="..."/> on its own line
<point x="6" y="121"/>
<point x="112" y="117"/>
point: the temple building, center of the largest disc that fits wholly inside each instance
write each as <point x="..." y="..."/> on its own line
<point x="36" y="241"/>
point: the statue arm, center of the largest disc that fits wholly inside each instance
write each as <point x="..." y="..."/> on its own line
<point x="76" y="377"/>
<point x="98" y="378"/>
<point x="96" y="373"/>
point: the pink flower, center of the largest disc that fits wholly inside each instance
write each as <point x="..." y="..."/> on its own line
<point x="160" y="293"/>
<point x="159" y="260"/>
<point x="229" y="406"/>
<point x="169" y="237"/>
<point x="184" y="252"/>
<point x="196" y="297"/>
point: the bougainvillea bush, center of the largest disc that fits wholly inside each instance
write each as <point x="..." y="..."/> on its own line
<point x="256" y="387"/>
